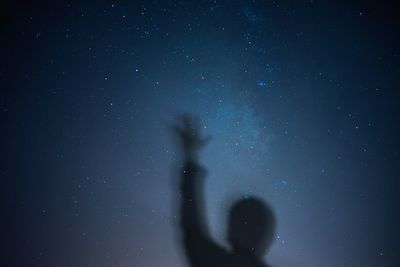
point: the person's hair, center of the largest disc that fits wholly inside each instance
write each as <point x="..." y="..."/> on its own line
<point x="251" y="225"/>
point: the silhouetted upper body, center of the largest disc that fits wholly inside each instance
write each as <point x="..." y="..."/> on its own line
<point x="251" y="221"/>
<point x="200" y="249"/>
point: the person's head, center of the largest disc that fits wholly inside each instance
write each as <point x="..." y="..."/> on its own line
<point x="251" y="226"/>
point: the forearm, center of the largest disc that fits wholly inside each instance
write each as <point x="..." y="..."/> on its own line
<point x="192" y="202"/>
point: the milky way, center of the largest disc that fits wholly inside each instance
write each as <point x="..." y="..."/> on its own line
<point x="301" y="101"/>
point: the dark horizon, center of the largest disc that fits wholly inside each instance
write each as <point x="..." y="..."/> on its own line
<point x="301" y="100"/>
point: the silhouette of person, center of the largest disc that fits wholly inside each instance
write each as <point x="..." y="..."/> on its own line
<point x="251" y="222"/>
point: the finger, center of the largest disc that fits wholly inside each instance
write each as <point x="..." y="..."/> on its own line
<point x="196" y="124"/>
<point x="176" y="129"/>
<point x="186" y="121"/>
<point x="191" y="124"/>
<point x="206" y="140"/>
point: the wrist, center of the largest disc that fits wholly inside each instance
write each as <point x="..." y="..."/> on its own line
<point x="191" y="155"/>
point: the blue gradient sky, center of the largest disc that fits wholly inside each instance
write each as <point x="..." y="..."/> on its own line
<point x="301" y="101"/>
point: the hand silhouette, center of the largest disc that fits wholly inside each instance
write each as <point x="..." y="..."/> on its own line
<point x="190" y="136"/>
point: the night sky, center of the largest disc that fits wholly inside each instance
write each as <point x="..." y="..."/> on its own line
<point x="301" y="99"/>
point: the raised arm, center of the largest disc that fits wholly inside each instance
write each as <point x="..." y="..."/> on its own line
<point x="192" y="178"/>
<point x="200" y="249"/>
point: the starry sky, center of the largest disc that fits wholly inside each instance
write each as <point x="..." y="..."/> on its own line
<point x="300" y="98"/>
